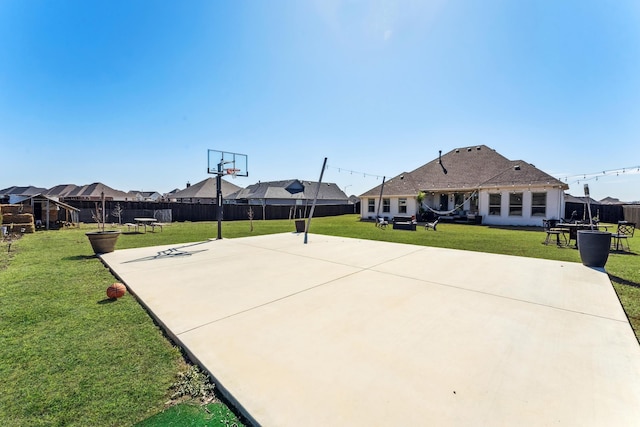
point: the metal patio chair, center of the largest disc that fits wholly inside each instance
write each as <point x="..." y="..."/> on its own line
<point x="621" y="237"/>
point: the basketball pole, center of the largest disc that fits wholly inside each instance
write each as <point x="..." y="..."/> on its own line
<point x="219" y="198"/>
<point x="212" y="159"/>
<point x="313" y="206"/>
<point x="380" y="200"/>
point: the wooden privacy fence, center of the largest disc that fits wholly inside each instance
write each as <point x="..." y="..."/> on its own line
<point x="632" y="214"/>
<point x="170" y="212"/>
<point x="241" y="212"/>
<point x="605" y="213"/>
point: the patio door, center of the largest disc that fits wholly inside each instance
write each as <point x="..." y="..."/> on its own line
<point x="444" y="202"/>
<point x="473" y="203"/>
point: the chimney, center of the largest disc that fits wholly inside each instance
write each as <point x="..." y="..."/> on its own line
<point x="188" y="184"/>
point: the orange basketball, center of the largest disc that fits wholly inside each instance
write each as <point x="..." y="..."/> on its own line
<point x="116" y="290"/>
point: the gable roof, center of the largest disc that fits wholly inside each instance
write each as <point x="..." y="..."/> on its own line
<point x="93" y="192"/>
<point x="292" y="189"/>
<point x="42" y="197"/>
<point x="29" y="190"/>
<point x="206" y="189"/>
<point x="611" y="201"/>
<point x="467" y="169"/>
<point x="568" y="198"/>
<point x="143" y="193"/>
<point x="61" y="190"/>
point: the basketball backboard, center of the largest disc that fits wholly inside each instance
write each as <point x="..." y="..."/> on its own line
<point x="227" y="163"/>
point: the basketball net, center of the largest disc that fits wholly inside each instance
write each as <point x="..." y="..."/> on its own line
<point x="233" y="172"/>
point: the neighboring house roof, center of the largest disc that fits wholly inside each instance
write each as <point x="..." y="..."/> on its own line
<point x="568" y="198"/>
<point x="29" y="190"/>
<point x="354" y="199"/>
<point x="94" y="192"/>
<point x="292" y="189"/>
<point x="61" y="190"/>
<point x="206" y="189"/>
<point x="143" y="193"/>
<point x="467" y="169"/>
<point x="611" y="201"/>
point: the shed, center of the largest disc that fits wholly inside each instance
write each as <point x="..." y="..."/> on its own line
<point x="51" y="213"/>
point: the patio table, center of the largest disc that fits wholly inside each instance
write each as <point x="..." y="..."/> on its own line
<point x="144" y="222"/>
<point x="573" y="230"/>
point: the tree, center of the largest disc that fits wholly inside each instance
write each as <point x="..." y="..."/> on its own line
<point x="420" y="198"/>
<point x="117" y="212"/>
<point x="250" y="215"/>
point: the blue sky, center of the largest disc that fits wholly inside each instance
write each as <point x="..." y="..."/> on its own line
<point x="133" y="93"/>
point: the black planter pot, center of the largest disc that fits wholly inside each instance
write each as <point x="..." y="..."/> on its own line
<point x="299" y="225"/>
<point x="594" y="247"/>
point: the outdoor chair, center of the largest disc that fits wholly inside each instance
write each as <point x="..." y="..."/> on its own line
<point x="382" y="223"/>
<point x="558" y="232"/>
<point x="130" y="225"/>
<point x="431" y="225"/>
<point x="621" y="236"/>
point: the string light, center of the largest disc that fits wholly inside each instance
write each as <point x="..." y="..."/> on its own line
<point x="571" y="179"/>
<point x="351" y="172"/>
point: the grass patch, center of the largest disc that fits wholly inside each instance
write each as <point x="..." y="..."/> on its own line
<point x="186" y="414"/>
<point x="69" y="356"/>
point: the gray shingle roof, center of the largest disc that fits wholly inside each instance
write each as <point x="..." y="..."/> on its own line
<point x="61" y="190"/>
<point x="23" y="191"/>
<point x="206" y="189"/>
<point x="292" y="189"/>
<point x="93" y="192"/>
<point x="468" y="168"/>
<point x="568" y="198"/>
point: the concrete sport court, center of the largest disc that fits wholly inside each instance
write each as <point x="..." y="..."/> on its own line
<point x="363" y="333"/>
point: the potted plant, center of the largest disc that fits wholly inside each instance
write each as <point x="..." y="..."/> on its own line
<point x="102" y="241"/>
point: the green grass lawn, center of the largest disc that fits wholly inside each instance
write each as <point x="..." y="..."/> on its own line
<point x="69" y="356"/>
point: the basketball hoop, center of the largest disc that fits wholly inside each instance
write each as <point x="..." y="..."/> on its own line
<point x="233" y="172"/>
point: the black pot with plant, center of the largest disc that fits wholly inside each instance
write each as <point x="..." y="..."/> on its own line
<point x="102" y="241"/>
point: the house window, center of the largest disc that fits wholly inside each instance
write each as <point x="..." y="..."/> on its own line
<point x="372" y="205"/>
<point x="402" y="205"/>
<point x="538" y="204"/>
<point x="515" y="204"/>
<point x="495" y="200"/>
<point x="386" y="205"/>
